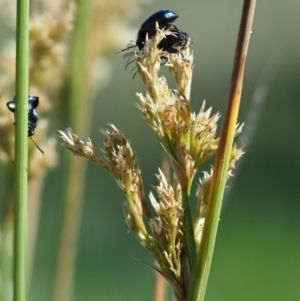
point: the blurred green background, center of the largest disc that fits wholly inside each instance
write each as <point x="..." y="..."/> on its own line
<point x="257" y="255"/>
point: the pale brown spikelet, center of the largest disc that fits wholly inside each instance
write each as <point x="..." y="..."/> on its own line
<point x="120" y="161"/>
<point x="188" y="138"/>
<point x="79" y="146"/>
<point x="168" y="227"/>
<point x="203" y="191"/>
<point x="202" y="197"/>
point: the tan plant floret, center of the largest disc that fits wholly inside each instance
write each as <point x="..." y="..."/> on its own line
<point x="188" y="138"/>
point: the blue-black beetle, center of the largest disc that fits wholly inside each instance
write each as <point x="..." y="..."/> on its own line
<point x="174" y="43"/>
<point x="171" y="43"/>
<point x="164" y="18"/>
<point x="33" y="115"/>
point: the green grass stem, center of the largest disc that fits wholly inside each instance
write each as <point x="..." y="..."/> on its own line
<point x="189" y="229"/>
<point x="78" y="117"/>
<point x="21" y="150"/>
<point x="200" y="277"/>
<point x="78" y="66"/>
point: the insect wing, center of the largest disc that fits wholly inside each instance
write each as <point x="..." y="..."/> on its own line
<point x="162" y="17"/>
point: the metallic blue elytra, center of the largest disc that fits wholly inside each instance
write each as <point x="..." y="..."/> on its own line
<point x="33" y="115"/>
<point x="164" y="18"/>
<point x="173" y="43"/>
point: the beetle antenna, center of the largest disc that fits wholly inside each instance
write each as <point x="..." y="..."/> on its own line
<point x="37" y="146"/>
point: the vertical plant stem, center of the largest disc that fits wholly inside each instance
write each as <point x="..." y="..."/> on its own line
<point x="189" y="229"/>
<point x="159" y="287"/>
<point x="21" y="150"/>
<point x="78" y="116"/>
<point x="200" y="278"/>
<point x="35" y="187"/>
<point x="78" y="76"/>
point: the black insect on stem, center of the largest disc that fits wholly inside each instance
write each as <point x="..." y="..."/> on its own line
<point x="33" y="116"/>
<point x="164" y="18"/>
<point x="172" y="43"/>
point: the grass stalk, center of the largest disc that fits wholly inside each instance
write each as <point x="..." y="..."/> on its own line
<point x="77" y="115"/>
<point x="35" y="188"/>
<point x="159" y="287"/>
<point x="189" y="229"/>
<point x="21" y="150"/>
<point x="78" y="66"/>
<point x="200" y="277"/>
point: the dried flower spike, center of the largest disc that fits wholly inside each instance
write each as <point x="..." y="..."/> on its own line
<point x="189" y="139"/>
